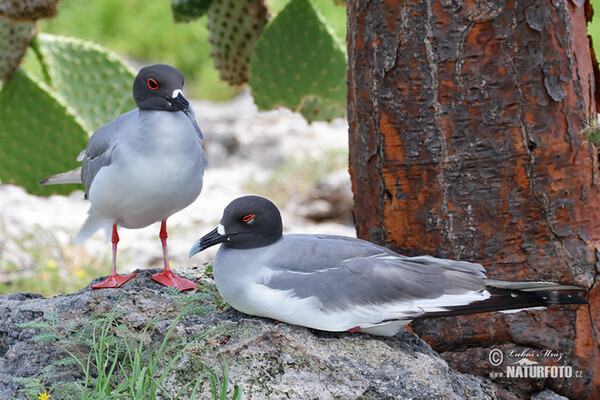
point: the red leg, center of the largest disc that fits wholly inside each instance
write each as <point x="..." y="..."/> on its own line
<point x="167" y="277"/>
<point x="114" y="280"/>
<point x="355" y="329"/>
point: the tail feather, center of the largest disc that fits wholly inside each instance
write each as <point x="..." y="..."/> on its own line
<point x="510" y="299"/>
<point x="73" y="176"/>
<point x="93" y="223"/>
<point x="530" y="286"/>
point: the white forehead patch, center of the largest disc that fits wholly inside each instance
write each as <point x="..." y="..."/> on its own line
<point x="176" y="93"/>
<point x="221" y="229"/>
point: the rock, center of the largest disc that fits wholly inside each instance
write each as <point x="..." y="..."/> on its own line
<point x="330" y="200"/>
<point x="548" y="394"/>
<point x="267" y="360"/>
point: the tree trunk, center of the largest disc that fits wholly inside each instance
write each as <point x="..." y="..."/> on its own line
<point x="464" y="143"/>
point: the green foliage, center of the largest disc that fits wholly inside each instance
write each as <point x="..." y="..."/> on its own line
<point x="14" y="40"/>
<point x="315" y="108"/>
<point x="218" y="385"/>
<point x="299" y="63"/>
<point x="144" y="31"/>
<point x="92" y="80"/>
<point x="234" y="26"/>
<point x="46" y="125"/>
<point x="117" y="364"/>
<point x="201" y="301"/>
<point x="39" y="136"/>
<point x="591" y="131"/>
<point x="84" y="85"/>
<point x="189" y="10"/>
<point x="330" y="9"/>
<point x="29" y="10"/>
<point x="593" y="26"/>
<point x="54" y="268"/>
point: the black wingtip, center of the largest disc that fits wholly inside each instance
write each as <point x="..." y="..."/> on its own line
<point x="564" y="298"/>
<point x="510" y="299"/>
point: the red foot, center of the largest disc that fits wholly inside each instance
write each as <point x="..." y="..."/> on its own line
<point x="355" y="329"/>
<point x="276" y="322"/>
<point x="167" y="278"/>
<point x="113" y="281"/>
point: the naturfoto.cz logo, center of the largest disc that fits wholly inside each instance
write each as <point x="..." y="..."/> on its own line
<point x="524" y="364"/>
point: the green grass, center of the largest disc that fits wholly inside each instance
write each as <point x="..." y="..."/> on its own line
<point x="144" y="31"/>
<point x="116" y="364"/>
<point x="57" y="268"/>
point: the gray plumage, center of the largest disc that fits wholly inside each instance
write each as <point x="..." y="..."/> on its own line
<point x="346" y="270"/>
<point x="143" y="166"/>
<point x="134" y="151"/>
<point x="337" y="283"/>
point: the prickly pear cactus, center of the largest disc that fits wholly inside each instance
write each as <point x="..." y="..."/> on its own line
<point x="44" y="127"/>
<point x="314" y="109"/>
<point x="30" y="10"/>
<point x="233" y="27"/>
<point x="38" y="135"/>
<point x="300" y="64"/>
<point x="189" y="10"/>
<point x="591" y="131"/>
<point x="14" y="40"/>
<point x="89" y="78"/>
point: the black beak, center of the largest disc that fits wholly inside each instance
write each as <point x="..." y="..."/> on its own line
<point x="208" y="240"/>
<point x="180" y="103"/>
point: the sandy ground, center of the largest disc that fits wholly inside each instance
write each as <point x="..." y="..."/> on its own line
<point x="243" y="146"/>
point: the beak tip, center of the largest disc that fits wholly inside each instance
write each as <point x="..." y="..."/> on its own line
<point x="195" y="249"/>
<point x="210" y="239"/>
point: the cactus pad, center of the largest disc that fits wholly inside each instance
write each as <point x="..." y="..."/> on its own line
<point x="233" y="27"/>
<point x="591" y="131"/>
<point x="28" y="10"/>
<point x="189" y="10"/>
<point x="38" y="136"/>
<point x="89" y="78"/>
<point x="313" y="108"/>
<point x="14" y="40"/>
<point x="299" y="63"/>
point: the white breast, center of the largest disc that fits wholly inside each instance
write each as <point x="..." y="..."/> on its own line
<point x="156" y="170"/>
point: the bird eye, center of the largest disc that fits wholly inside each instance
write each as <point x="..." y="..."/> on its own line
<point x="248" y="218"/>
<point x="152" y="84"/>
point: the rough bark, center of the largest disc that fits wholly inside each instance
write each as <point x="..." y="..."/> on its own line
<point x="464" y="143"/>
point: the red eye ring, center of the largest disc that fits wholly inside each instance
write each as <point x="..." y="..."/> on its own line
<point x="248" y="218"/>
<point x="152" y="84"/>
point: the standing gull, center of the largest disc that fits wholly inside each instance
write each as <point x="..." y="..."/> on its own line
<point x="337" y="283"/>
<point x="142" y="167"/>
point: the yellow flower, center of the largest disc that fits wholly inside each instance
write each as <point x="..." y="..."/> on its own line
<point x="79" y="273"/>
<point x="44" y="396"/>
<point x="51" y="263"/>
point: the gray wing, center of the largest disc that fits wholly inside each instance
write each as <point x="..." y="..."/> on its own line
<point x="197" y="129"/>
<point x="192" y="117"/>
<point x="199" y="133"/>
<point x="99" y="150"/>
<point x="345" y="272"/>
